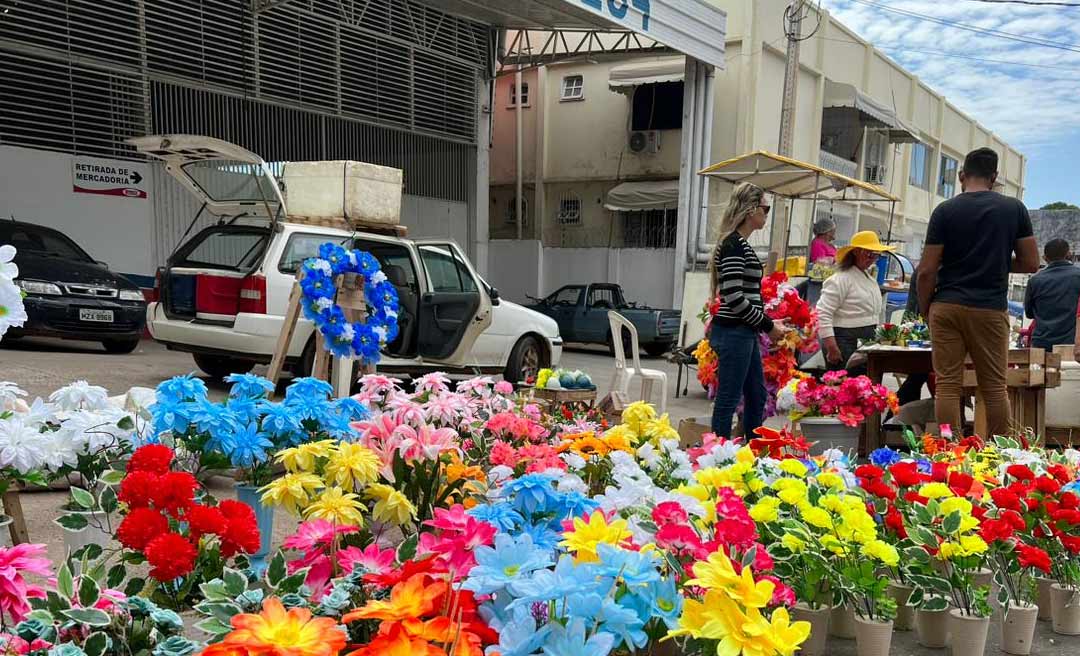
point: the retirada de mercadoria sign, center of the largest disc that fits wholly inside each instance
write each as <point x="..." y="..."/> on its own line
<point x="108" y="177"/>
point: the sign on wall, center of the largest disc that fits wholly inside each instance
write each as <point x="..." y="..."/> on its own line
<point x="108" y="177"/>
<point x="693" y="27"/>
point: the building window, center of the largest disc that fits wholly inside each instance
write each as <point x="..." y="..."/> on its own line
<point x="511" y="211"/>
<point x="657" y="107"/>
<point x="920" y="166"/>
<point x="573" y="87"/>
<point x="569" y="210"/>
<point x="650" y="228"/>
<point x="524" y="94"/>
<point x="947" y="179"/>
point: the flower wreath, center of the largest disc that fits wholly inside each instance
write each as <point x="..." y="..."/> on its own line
<point x="359" y="340"/>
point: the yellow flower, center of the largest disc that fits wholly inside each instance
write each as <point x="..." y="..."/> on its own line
<point x="790" y="490"/>
<point x="293" y="491"/>
<point x="818" y="517"/>
<point x="352" y="465"/>
<point x="748" y="633"/>
<point x="745" y="456"/>
<point x="618" y="442"/>
<point x="935" y="491"/>
<point x="337" y="506"/>
<point x="832" y="503"/>
<point x="391" y="506"/>
<point x="699" y="492"/>
<point x="831" y="480"/>
<point x="717" y="573"/>
<point x="832" y="544"/>
<point x="857" y="525"/>
<point x="637" y="414"/>
<point x="955" y="504"/>
<point x="948" y="550"/>
<point x="583" y="540"/>
<point x="972" y="544"/>
<point x="785" y="635"/>
<point x="302" y="458"/>
<point x="968" y="523"/>
<point x="883" y="551"/>
<point x="620" y="434"/>
<point x="792" y="543"/>
<point x="794" y="467"/>
<point x="755" y="485"/>
<point x="660" y="429"/>
<point x="766" y="510"/>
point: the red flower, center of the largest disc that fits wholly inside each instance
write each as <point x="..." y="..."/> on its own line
<point x="140" y="527"/>
<point x="669" y="512"/>
<point x="1071" y="517"/>
<point x="993" y="530"/>
<point x="906" y="474"/>
<point x="914" y="497"/>
<point x="1069" y="500"/>
<point x="138" y="488"/>
<point x="1059" y="472"/>
<point x="1014" y="519"/>
<point x="1006" y="499"/>
<point x="681" y="540"/>
<point x="879" y="488"/>
<point x="1047" y="485"/>
<point x="153" y="458"/>
<point x="241" y="532"/>
<point x="869" y="472"/>
<point x="895" y="521"/>
<point x="170" y="556"/>
<point x="1070" y="542"/>
<point x="175" y="492"/>
<point x="1020" y="472"/>
<point x="204" y="519"/>
<point x="1033" y="557"/>
<point x="960" y="483"/>
<point x="408" y="569"/>
<point x="939" y="472"/>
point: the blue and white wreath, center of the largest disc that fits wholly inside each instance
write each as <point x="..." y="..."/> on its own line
<point x="360" y="340"/>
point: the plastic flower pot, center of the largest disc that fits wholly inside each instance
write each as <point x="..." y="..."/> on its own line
<point x="967" y="633"/>
<point x="264" y="518"/>
<point x="842" y="622"/>
<point x="90" y="534"/>
<point x="905" y="614"/>
<point x="1064" y="610"/>
<point x="5" y="530"/>
<point x="932" y="628"/>
<point x="1043" y="598"/>
<point x="829" y="433"/>
<point x="872" y="638"/>
<point x="1018" y="628"/>
<point x="816" y="644"/>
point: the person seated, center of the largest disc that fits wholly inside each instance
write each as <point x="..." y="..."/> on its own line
<point x="822" y="248"/>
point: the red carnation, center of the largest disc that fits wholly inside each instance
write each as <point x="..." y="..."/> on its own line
<point x="1072" y="543"/>
<point x="1069" y="500"/>
<point x="993" y="530"/>
<point x="906" y="474"/>
<point x="202" y="520"/>
<point x="170" y="556"/>
<point x="915" y="497"/>
<point x="241" y="532"/>
<point x="1006" y="499"/>
<point x="939" y="472"/>
<point x="175" y="492"/>
<point x="1020" y="472"/>
<point x="1033" y="557"/>
<point x="960" y="483"/>
<point x="1014" y="519"/>
<point x="1047" y="485"/>
<point x="895" y="521"/>
<point x="153" y="458"/>
<point x="1071" y="517"/>
<point x="879" y="488"/>
<point x="869" y="472"/>
<point x="138" y="488"/>
<point x="669" y="512"/>
<point x="1059" y="472"/>
<point x="140" y="527"/>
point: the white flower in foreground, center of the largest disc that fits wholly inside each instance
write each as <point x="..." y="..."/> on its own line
<point x="22" y="447"/>
<point x="39" y="413"/>
<point x="12" y="312"/>
<point x="58" y="450"/>
<point x="8" y="269"/>
<point x="81" y="395"/>
<point x="9" y="395"/>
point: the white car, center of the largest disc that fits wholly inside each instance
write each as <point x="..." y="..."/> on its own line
<point x="222" y="295"/>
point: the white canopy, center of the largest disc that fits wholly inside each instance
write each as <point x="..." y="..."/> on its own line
<point x="640" y="196"/>
<point x="625" y="78"/>
<point x="839" y="94"/>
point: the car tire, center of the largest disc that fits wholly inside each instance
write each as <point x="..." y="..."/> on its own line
<point x="120" y="346"/>
<point x="656" y="350"/>
<point x="217" y="366"/>
<point x="526" y="359"/>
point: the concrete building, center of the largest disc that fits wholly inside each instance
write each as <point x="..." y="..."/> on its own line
<point x="603" y="145"/>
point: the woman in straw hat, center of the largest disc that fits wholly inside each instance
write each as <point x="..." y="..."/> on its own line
<point x="850" y="303"/>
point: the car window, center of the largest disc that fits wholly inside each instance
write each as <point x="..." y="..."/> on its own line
<point x="567" y="296"/>
<point x="28" y="239"/>
<point x="394" y="260"/>
<point x="238" y="250"/>
<point x="302" y="246"/>
<point x="604" y="297"/>
<point x="445" y="270"/>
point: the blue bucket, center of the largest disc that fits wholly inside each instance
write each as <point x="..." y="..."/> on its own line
<point x="264" y="517"/>
<point x="882" y="268"/>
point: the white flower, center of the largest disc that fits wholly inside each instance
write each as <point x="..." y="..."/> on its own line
<point x="573" y="460"/>
<point x="323" y="304"/>
<point x="8" y="269"/>
<point x="59" y="450"/>
<point x="1072" y="456"/>
<point x="9" y="395"/>
<point x="571" y="483"/>
<point x="12" y="312"/>
<point x="670" y="446"/>
<point x="498" y="474"/>
<point x="378" y="277"/>
<point x="323" y="265"/>
<point x="81" y="395"/>
<point x="40" y="412"/>
<point x="22" y="447"/>
<point x="347" y="333"/>
<point x="647" y="454"/>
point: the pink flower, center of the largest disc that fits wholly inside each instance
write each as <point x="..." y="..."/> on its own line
<point x="13" y="644"/>
<point x="782" y="594"/>
<point x="532" y="411"/>
<point x="669" y="512"/>
<point x="378" y="384"/>
<point x="444" y="408"/>
<point x="479" y="386"/>
<point x="15" y="563"/>
<point x="432" y="383"/>
<point x="682" y="541"/>
<point x="316" y="534"/>
<point x="425" y="443"/>
<point x="370" y="559"/>
<point x="737" y="529"/>
<point x="504" y="388"/>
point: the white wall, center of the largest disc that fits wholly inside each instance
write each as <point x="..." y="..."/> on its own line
<point x="434" y="218"/>
<point x="36" y="187"/>
<point x="515" y="268"/>
<point x="645" y="275"/>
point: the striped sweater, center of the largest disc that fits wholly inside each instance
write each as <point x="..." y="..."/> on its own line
<point x="739" y="272"/>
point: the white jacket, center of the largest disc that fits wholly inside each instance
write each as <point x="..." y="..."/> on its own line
<point x="850" y="298"/>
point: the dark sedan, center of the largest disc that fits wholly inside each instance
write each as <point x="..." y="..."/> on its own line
<point x="70" y="295"/>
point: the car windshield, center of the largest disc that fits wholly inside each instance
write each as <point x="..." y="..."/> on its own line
<point x="41" y="241"/>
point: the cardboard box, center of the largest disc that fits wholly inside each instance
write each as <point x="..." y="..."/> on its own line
<point x="692" y="429"/>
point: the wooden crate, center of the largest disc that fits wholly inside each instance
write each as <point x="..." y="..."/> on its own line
<point x="1032" y="367"/>
<point x="560" y="396"/>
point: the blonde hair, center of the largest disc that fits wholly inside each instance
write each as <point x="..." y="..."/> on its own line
<point x="744" y="199"/>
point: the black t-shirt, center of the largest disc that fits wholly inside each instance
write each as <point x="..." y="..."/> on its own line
<point x="978" y="231"/>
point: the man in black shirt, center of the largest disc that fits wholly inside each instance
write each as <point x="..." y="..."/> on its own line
<point x="1051" y="298"/>
<point x="973" y="242"/>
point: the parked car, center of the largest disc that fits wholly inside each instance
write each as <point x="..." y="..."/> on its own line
<point x="224" y="292"/>
<point x="582" y="314"/>
<point x="69" y="294"/>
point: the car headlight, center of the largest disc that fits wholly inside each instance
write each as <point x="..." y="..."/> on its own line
<point x="131" y="295"/>
<point x="38" y="287"/>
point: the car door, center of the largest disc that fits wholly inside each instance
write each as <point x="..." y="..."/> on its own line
<point x="453" y="309"/>
<point x="592" y="320"/>
<point x="561" y="307"/>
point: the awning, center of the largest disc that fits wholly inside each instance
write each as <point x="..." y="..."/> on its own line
<point x="838" y="94"/>
<point x="791" y="178"/>
<point x="625" y="78"/>
<point x="640" y="196"/>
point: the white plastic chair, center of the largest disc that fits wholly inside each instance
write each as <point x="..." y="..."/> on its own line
<point x="624" y="374"/>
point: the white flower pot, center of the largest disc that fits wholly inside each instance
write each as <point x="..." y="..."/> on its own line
<point x="829" y="433"/>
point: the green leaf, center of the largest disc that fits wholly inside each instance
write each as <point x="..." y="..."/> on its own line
<point x="235" y="582"/>
<point x="215" y="590"/>
<point x="1003" y="596"/>
<point x="107" y="500"/>
<point x="276" y="570"/>
<point x="89" y="552"/>
<point x="922" y="536"/>
<point x="41" y="615"/>
<point x="65" y="583"/>
<point x="134" y="558"/>
<point x="72" y="522"/>
<point x="917" y="555"/>
<point x="951" y="524"/>
<point x="56" y="603"/>
<point x="88" y="616"/>
<point x="82" y="497"/>
<point x="221" y="611"/>
<point x="112" y="477"/>
<point x="126" y="423"/>
<point x="935" y="603"/>
<point x="407" y="550"/>
<point x="96" y="644"/>
<point x="134" y="586"/>
<point x="213" y="626"/>
<point x="116" y="576"/>
<point x="292" y="582"/>
<point x="89" y="593"/>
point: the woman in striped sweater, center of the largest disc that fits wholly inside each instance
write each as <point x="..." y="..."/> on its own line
<point x="735" y="273"/>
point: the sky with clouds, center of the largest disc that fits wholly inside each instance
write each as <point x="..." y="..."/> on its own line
<point x="1034" y="107"/>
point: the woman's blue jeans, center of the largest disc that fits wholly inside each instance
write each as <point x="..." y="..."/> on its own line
<point x="740" y="377"/>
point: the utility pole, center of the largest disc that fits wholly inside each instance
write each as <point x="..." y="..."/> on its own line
<point x="793" y="16"/>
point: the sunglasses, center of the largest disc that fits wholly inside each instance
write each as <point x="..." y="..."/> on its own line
<point x="765" y="208"/>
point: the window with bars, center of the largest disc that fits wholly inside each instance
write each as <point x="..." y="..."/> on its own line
<point x="524" y="94"/>
<point x="511" y="211"/>
<point x="569" y="213"/>
<point x="650" y="228"/>
<point x="573" y="87"/>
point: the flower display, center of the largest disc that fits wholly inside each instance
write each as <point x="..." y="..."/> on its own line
<point x="849" y="399"/>
<point x="12" y="310"/>
<point x="292" y="632"/>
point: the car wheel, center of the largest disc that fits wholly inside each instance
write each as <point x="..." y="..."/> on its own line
<point x="219" y="367"/>
<point x="526" y="360"/>
<point x="656" y="350"/>
<point x="627" y="343"/>
<point x="120" y="346"/>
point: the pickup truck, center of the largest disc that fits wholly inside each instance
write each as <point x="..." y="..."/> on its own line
<point x="582" y="314"/>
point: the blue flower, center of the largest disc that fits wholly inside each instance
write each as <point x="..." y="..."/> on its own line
<point x="317" y="284"/>
<point x="244" y="410"/>
<point x="170" y="416"/>
<point x="365" y="342"/>
<point x="884" y="457"/>
<point x="498" y="514"/>
<point x="181" y="388"/>
<point x="532" y="493"/>
<point x="545" y="585"/>
<point x="520" y="636"/>
<point x="336" y="424"/>
<point x="249" y="386"/>
<point x="308" y="387"/>
<point x="665" y="601"/>
<point x="337" y="256"/>
<point x="923" y="466"/>
<point x="572" y="504"/>
<point x="307" y="408"/>
<point x="366" y="263"/>
<point x="339" y="345"/>
<point x="247" y="446"/>
<point x="351" y="409"/>
<point x="1073" y="487"/>
<point x="634" y="567"/>
<point x="571" y="640"/>
<point x="332" y="321"/>
<point x="542" y="535"/>
<point x="278" y="419"/>
<point x="611" y="616"/>
<point x="208" y="416"/>
<point x="499" y="565"/>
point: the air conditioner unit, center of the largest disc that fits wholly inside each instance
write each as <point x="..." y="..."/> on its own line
<point x="876" y="174"/>
<point x="645" y="141"/>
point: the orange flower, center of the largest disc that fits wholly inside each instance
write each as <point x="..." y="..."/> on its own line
<point x="224" y="649"/>
<point x="397" y="642"/>
<point x="443" y="631"/>
<point x="585" y="445"/>
<point x="281" y="633"/>
<point x="457" y="470"/>
<point x="411" y="598"/>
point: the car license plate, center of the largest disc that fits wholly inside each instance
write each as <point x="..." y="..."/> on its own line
<point x="101" y="316"/>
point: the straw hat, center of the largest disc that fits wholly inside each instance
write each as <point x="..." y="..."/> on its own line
<point x="866" y="240"/>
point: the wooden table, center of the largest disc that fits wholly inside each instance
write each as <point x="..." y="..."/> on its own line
<point x="556" y="397"/>
<point x="890" y="359"/>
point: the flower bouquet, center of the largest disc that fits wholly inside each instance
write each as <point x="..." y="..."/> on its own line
<point x="911" y="331"/>
<point x="849" y="399"/>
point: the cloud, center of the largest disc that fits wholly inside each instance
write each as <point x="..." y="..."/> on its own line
<point x="1028" y="106"/>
